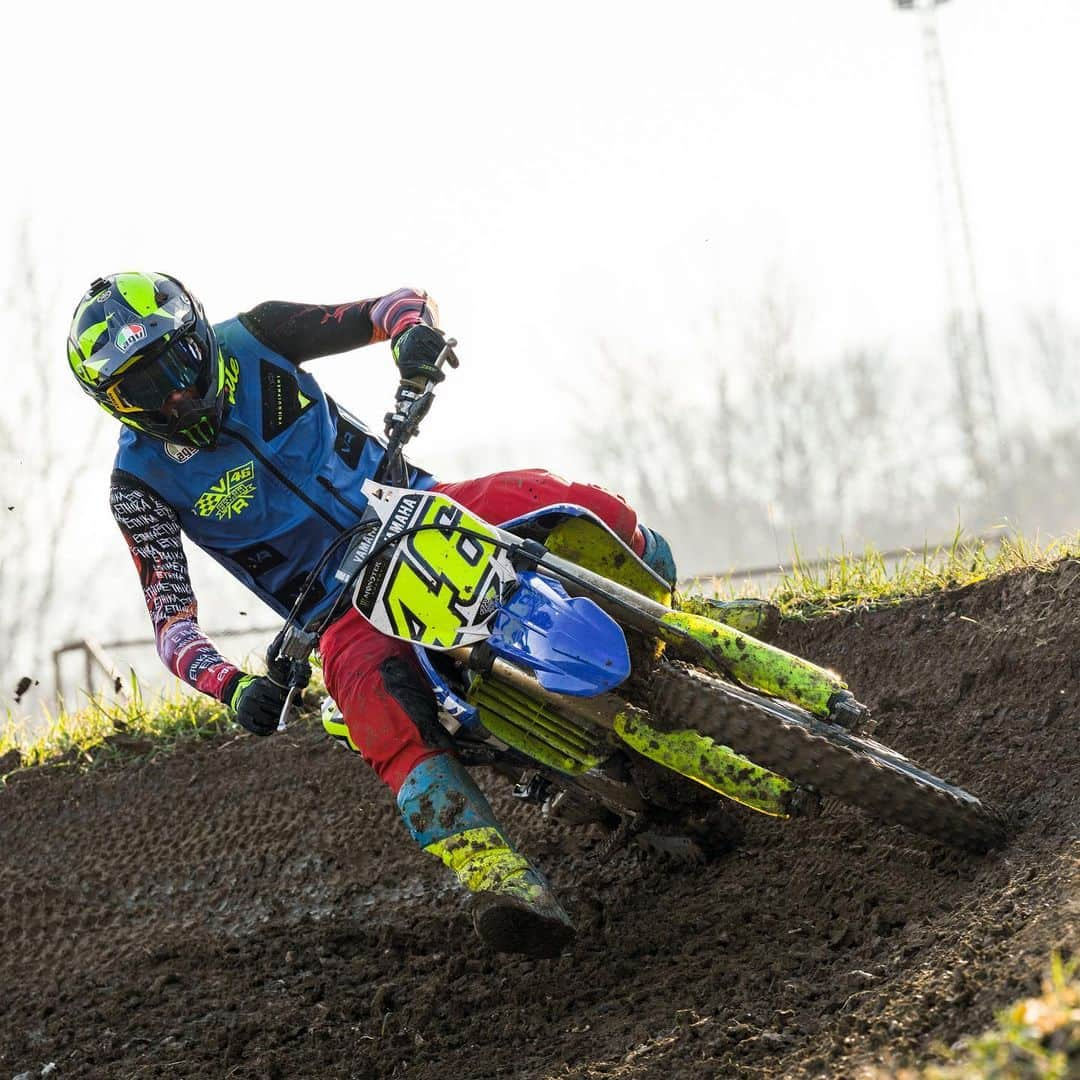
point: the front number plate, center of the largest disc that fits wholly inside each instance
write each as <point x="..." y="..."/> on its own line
<point x="436" y="587"/>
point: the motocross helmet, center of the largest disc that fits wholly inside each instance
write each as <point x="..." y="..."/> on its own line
<point x="141" y="347"/>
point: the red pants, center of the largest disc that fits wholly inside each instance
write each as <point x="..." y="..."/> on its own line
<point x="356" y="657"/>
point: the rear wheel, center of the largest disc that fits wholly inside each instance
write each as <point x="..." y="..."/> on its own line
<point x="823" y="756"/>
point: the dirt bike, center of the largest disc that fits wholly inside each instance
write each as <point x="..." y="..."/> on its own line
<point x="559" y="658"/>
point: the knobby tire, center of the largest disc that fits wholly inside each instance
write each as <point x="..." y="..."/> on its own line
<point x="823" y="756"/>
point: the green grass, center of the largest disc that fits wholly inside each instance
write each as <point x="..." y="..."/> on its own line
<point x="851" y="581"/>
<point x="106" y="731"/>
<point x="103" y="730"/>
<point x="1035" y="1039"/>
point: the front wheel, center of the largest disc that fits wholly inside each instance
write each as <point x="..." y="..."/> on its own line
<point x="825" y="757"/>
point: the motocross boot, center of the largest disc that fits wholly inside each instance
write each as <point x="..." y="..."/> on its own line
<point x="513" y="907"/>
<point x="658" y="555"/>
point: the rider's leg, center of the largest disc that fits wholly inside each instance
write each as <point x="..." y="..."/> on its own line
<point x="388" y="712"/>
<point x="502" y="496"/>
<point x="390" y="718"/>
<point x="657" y="554"/>
<point x="514" y="909"/>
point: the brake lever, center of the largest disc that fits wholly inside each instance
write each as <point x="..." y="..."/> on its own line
<point x="290" y="697"/>
<point x="295" y="645"/>
<point x="297" y="682"/>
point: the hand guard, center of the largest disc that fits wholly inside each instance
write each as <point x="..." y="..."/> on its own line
<point x="257" y="702"/>
<point x="415" y="351"/>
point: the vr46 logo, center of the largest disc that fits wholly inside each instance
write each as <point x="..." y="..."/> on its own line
<point x="232" y="377"/>
<point x="231" y="494"/>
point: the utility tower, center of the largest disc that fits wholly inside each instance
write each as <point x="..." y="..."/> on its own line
<point x="969" y="346"/>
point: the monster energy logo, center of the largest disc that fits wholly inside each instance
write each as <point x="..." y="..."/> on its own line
<point x="231" y="494"/>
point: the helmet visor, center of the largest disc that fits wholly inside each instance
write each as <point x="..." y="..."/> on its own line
<point x="156" y="383"/>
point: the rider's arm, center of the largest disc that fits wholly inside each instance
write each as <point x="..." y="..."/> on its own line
<point x="152" y="531"/>
<point x="302" y="332"/>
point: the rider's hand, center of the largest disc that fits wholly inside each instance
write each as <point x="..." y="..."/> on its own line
<point x="257" y="702"/>
<point x="415" y="351"/>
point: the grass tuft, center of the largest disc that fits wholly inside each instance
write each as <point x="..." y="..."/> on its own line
<point x="856" y="581"/>
<point x="1035" y="1039"/>
<point x="106" y="731"/>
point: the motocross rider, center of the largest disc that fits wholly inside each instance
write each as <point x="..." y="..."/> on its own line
<point x="228" y="440"/>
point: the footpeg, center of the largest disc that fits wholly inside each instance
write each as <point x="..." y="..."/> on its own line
<point x="531" y="788"/>
<point x="846" y="712"/>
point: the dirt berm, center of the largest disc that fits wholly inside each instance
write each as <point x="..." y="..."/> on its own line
<point x="253" y="908"/>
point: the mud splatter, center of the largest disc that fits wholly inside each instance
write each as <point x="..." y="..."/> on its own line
<point x="422" y="819"/>
<point x="451" y="812"/>
<point x="23" y="686"/>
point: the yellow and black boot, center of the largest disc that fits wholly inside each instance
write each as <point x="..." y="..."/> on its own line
<point x="514" y="910"/>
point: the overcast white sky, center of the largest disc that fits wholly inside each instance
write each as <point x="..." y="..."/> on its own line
<point x="555" y="175"/>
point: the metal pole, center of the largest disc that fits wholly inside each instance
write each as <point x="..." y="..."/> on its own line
<point x="958" y="245"/>
<point x="57" y="688"/>
<point x="107" y="665"/>
<point x="936" y="61"/>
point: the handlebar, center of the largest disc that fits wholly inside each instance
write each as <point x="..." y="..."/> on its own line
<point x="400" y="428"/>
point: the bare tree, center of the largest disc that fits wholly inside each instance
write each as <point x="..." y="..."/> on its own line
<point x="39" y="471"/>
<point x="1056" y="361"/>
<point x="640" y="441"/>
<point x="773" y="448"/>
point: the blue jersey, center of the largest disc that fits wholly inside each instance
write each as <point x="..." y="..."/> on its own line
<point x="281" y="484"/>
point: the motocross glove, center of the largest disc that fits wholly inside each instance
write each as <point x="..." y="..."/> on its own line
<point x="415" y="351"/>
<point x="256" y="702"/>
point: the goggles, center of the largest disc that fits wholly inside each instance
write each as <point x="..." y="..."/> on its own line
<point x="181" y="364"/>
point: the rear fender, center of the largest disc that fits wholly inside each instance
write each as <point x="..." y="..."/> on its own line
<point x="580" y="537"/>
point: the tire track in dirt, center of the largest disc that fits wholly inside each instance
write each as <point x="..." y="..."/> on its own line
<point x="254" y="907"/>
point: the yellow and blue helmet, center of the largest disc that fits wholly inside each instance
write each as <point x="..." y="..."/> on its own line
<point x="141" y="347"/>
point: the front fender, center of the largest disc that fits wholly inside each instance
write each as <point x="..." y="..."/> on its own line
<point x="571" y="645"/>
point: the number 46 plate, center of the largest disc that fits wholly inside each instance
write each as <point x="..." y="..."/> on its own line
<point x="437" y="586"/>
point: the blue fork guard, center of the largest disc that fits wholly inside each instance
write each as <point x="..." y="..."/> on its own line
<point x="571" y="645"/>
<point x="445" y="698"/>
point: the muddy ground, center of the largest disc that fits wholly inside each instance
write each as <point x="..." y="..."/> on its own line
<point x="253" y="908"/>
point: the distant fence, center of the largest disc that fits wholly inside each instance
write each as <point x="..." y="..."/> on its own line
<point x="100" y="666"/>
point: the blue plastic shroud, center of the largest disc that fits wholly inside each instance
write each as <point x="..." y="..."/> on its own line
<point x="571" y="644"/>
